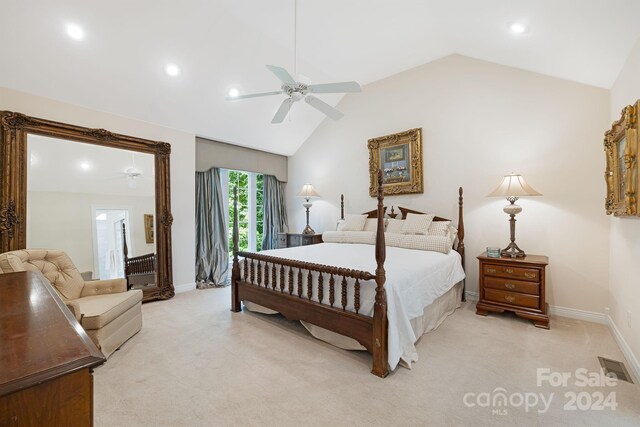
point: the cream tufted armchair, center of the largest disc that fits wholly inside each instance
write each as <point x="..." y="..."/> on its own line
<point x="106" y="310"/>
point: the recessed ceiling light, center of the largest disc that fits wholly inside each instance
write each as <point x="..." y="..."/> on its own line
<point x="518" y="28"/>
<point x="75" y="31"/>
<point x="85" y="166"/>
<point x="233" y="92"/>
<point x="172" y="70"/>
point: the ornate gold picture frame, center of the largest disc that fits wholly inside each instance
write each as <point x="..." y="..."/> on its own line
<point x="621" y="175"/>
<point x="400" y="158"/>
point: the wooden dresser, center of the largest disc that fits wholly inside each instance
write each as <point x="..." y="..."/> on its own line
<point x="514" y="284"/>
<point x="288" y="240"/>
<point x="46" y="358"/>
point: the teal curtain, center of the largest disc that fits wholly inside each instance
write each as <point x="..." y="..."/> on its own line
<point x="275" y="211"/>
<point x="212" y="241"/>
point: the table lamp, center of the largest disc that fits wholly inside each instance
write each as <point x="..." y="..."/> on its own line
<point x="513" y="186"/>
<point x="308" y="193"/>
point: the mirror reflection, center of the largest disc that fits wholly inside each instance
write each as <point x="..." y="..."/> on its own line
<point x="95" y="203"/>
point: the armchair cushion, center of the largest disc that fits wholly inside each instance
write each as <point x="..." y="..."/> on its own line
<point x="99" y="310"/>
<point x="101" y="287"/>
<point x="55" y="265"/>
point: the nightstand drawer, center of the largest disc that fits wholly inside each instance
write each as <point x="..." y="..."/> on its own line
<point x="504" y="284"/>
<point x="282" y="241"/>
<point x="512" y="272"/>
<point x="511" y="298"/>
<point x="294" y="240"/>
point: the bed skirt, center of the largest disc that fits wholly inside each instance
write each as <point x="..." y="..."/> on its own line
<point x="433" y="315"/>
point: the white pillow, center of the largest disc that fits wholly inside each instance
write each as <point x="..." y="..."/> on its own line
<point x="371" y="224"/>
<point x="352" y="223"/>
<point x="439" y="228"/>
<point x="453" y="233"/>
<point x="395" y="226"/>
<point x="417" y="224"/>
<point x="366" y="237"/>
<point x="419" y="242"/>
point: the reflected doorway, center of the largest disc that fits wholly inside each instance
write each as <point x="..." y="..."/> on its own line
<point x="109" y="243"/>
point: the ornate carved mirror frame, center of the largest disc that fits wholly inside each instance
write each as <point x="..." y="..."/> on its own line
<point x="621" y="174"/>
<point x="14" y="130"/>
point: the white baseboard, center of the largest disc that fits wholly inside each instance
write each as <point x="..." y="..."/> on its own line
<point x="185" y="287"/>
<point x="626" y="350"/>
<point x="574" y="313"/>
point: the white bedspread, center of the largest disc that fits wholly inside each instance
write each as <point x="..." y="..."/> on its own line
<point x="414" y="280"/>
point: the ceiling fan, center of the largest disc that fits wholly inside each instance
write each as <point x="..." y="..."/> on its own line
<point x="297" y="91"/>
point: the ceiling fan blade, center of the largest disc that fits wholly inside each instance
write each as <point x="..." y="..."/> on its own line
<point x="282" y="74"/>
<point x="252" y="95"/>
<point x="342" y="87"/>
<point x="323" y="107"/>
<point x="282" y="111"/>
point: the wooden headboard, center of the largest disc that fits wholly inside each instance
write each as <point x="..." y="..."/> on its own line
<point x="406" y="211"/>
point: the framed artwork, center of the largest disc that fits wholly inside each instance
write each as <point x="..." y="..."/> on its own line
<point x="148" y="228"/>
<point x="621" y="175"/>
<point x="400" y="158"/>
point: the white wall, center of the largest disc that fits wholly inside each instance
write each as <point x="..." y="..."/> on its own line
<point x="480" y="121"/>
<point x="182" y="163"/>
<point x="624" y="292"/>
<point x="65" y="221"/>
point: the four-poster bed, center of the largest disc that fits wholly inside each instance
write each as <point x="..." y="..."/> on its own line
<point x="326" y="296"/>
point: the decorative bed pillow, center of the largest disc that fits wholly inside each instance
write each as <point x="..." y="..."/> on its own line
<point x="453" y="233"/>
<point x="371" y="224"/>
<point x="364" y="237"/>
<point x="395" y="226"/>
<point x="352" y="223"/>
<point x="417" y="224"/>
<point x="439" y="228"/>
<point x="419" y="242"/>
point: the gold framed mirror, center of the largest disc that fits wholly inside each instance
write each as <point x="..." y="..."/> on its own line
<point x="19" y="134"/>
<point x="621" y="174"/>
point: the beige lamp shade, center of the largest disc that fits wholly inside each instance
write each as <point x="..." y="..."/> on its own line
<point x="308" y="192"/>
<point x="513" y="185"/>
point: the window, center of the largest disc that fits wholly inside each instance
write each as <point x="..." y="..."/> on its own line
<point x="250" y="209"/>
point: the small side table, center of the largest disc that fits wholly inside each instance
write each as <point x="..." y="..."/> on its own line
<point x="288" y="240"/>
<point x="516" y="285"/>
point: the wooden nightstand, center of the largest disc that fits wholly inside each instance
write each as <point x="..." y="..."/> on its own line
<point x="514" y="284"/>
<point x="287" y="240"/>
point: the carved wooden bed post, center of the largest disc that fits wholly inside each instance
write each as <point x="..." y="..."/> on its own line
<point x="126" y="254"/>
<point x="380" y="323"/>
<point x="460" y="248"/>
<point x="342" y="206"/>
<point x="235" y="269"/>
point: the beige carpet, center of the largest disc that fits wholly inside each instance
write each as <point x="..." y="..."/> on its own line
<point x="197" y="364"/>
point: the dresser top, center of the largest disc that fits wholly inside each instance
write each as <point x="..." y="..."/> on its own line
<point x="529" y="259"/>
<point x="39" y="337"/>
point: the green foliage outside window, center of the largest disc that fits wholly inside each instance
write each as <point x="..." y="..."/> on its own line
<point x="241" y="180"/>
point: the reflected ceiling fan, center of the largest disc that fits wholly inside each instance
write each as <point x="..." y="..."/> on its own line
<point x="297" y="91"/>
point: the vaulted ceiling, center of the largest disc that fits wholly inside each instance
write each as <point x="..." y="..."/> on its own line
<point x="119" y="65"/>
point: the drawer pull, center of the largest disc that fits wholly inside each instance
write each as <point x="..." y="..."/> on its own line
<point x="510" y="286"/>
<point x="491" y="270"/>
<point x="509" y="298"/>
<point x="509" y="270"/>
<point x="530" y="275"/>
